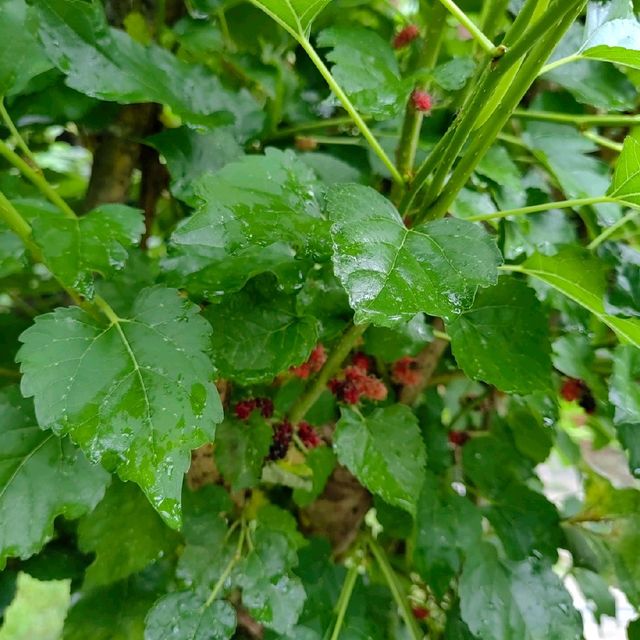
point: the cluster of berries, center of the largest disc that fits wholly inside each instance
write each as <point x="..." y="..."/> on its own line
<point x="406" y="371"/>
<point x="315" y="362"/>
<point x="245" y="408"/>
<point x="574" y="389"/>
<point x="357" y="382"/>
<point x="282" y="434"/>
<point x="308" y="435"/>
<point x="405" y="36"/>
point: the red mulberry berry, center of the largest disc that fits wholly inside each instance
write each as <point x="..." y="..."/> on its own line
<point x="361" y="361"/>
<point x="266" y="407"/>
<point x="422" y="101"/>
<point x="308" y="435"/>
<point x="420" y="613"/>
<point x="405" y="36"/>
<point x="571" y="389"/>
<point x="244" y="408"/>
<point x="406" y="371"/>
<point x="282" y="434"/>
<point x="350" y="394"/>
<point x="458" y="438"/>
<point x="315" y="362"/>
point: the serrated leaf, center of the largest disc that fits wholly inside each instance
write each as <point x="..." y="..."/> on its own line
<point x="184" y="616"/>
<point x="258" y="215"/>
<point x="581" y="277"/>
<point x="624" y="392"/>
<point x="38" y="610"/>
<point x="108" y="64"/>
<point x="366" y="68"/>
<point x="391" y="273"/>
<point x="447" y="525"/>
<point x="24" y="59"/>
<point x="524" y="600"/>
<point x="626" y="178"/>
<point x="504" y="338"/>
<point x="295" y="16"/>
<point x="41" y="477"/>
<point x="136" y="393"/>
<point x="125" y="533"/>
<point x="97" y="242"/>
<point x="259" y="334"/>
<point x="190" y="154"/>
<point x="241" y="448"/>
<point x="384" y="451"/>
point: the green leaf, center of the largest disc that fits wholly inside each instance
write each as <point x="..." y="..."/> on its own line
<point x="108" y="64"/>
<point x="526" y="522"/>
<point x="402" y="340"/>
<point x="366" y="68"/>
<point x="183" y="616"/>
<point x="38" y="610"/>
<point x="190" y="154"/>
<point x="624" y="391"/>
<point x="125" y="534"/>
<point x="272" y="595"/>
<point x="12" y="252"/>
<point x="596" y="590"/>
<point x="593" y="83"/>
<point x="241" y="448"/>
<point x="258" y="215"/>
<point x="41" y="477"/>
<point x="580" y="276"/>
<point x="24" y="59"/>
<point x="136" y="392"/>
<point x="525" y="600"/>
<point x="322" y="462"/>
<point x="384" y="451"/>
<point x="295" y="16"/>
<point x="97" y="242"/>
<point x="504" y="338"/>
<point x="447" y="526"/>
<point x="626" y="178"/>
<point x="391" y="272"/>
<point x="259" y="334"/>
<point x="453" y="74"/>
<point x="623" y="293"/>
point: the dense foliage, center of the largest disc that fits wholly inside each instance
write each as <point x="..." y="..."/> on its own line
<point x="306" y="307"/>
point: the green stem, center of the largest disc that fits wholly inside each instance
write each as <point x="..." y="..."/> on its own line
<point x="552" y="27"/>
<point x="350" y="109"/>
<point x="435" y="20"/>
<point x="304" y="127"/>
<point x="344" y="599"/>
<point x="331" y="366"/>
<point x="396" y="590"/>
<point x="441" y="335"/>
<point x="492" y="13"/>
<point x="558" y="63"/>
<point x="609" y="231"/>
<point x="6" y="118"/>
<point x="470" y="26"/>
<point x="447" y="150"/>
<point x="545" y="206"/>
<point x="36" y="178"/>
<point x="607" y="120"/>
<point x="237" y="556"/>
<point x="602" y="141"/>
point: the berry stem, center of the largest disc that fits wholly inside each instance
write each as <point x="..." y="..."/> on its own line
<point x="396" y="590"/>
<point x="343" y="600"/>
<point x="333" y="363"/>
<point x="22" y="145"/>
<point x="237" y="556"/>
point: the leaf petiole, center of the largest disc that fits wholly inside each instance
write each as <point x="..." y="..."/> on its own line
<point x="472" y="28"/>
<point x="344" y="599"/>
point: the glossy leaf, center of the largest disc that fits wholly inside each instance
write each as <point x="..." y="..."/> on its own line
<point x="259" y="334"/>
<point x="38" y="610"/>
<point x="107" y="63"/>
<point x="502" y="601"/>
<point x="504" y="338"/>
<point x="391" y="272"/>
<point x="626" y="179"/>
<point x="624" y="391"/>
<point x="384" y="451"/>
<point x="295" y="16"/>
<point x="135" y="393"/>
<point x="41" y="477"/>
<point x="24" y="59"/>
<point x="184" y="616"/>
<point x="241" y="448"/>
<point x="12" y="253"/>
<point x="97" y="242"/>
<point x="581" y="277"/>
<point x="125" y="534"/>
<point x="366" y="68"/>
<point x="258" y="215"/>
